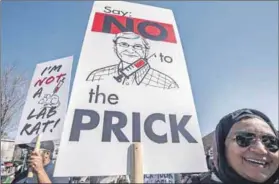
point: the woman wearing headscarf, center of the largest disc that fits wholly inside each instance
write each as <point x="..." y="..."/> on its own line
<point x="245" y="149"/>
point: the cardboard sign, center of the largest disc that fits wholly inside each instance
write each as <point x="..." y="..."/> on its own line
<point x="159" y="178"/>
<point x="46" y="104"/>
<point x="131" y="85"/>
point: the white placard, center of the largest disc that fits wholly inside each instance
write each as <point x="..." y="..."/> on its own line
<point x="46" y="104"/>
<point x="131" y="85"/>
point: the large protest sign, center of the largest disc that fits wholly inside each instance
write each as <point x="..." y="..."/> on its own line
<point x="131" y="85"/>
<point x="46" y="104"/>
<point x="159" y="178"/>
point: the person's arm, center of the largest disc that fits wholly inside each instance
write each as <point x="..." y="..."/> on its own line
<point x="43" y="177"/>
<point x="36" y="163"/>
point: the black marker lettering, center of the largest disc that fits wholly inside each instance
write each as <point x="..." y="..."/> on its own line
<point x="46" y="68"/>
<point x="36" y="128"/>
<point x="46" y="124"/>
<point x="25" y="129"/>
<point x="55" y="68"/>
<point x="38" y="93"/>
<point x="108" y="9"/>
<point x="52" y="111"/>
<point x="31" y="115"/>
<point x="42" y="113"/>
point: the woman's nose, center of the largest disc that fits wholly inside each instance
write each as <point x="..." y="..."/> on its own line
<point x="258" y="147"/>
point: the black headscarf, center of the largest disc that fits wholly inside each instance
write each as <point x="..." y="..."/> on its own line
<point x="225" y="172"/>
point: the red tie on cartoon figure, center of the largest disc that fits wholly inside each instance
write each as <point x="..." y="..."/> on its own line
<point x="132" y="68"/>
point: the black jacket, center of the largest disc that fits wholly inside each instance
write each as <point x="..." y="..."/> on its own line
<point x="209" y="177"/>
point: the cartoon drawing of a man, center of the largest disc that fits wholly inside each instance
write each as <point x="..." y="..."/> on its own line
<point x="133" y="68"/>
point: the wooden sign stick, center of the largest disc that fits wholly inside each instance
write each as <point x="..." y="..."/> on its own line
<point x="137" y="175"/>
<point x="37" y="148"/>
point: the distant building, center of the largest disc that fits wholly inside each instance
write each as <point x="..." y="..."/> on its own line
<point x="7" y="149"/>
<point x="18" y="153"/>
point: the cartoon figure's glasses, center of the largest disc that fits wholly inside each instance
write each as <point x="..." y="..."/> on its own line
<point x="126" y="45"/>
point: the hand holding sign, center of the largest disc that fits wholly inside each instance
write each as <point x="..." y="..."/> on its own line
<point x="35" y="162"/>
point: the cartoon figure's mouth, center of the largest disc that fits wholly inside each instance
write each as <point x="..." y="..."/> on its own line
<point x="130" y="55"/>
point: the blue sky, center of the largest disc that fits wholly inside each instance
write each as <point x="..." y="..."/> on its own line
<point x="231" y="48"/>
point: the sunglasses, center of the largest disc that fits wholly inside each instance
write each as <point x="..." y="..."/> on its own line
<point x="245" y="139"/>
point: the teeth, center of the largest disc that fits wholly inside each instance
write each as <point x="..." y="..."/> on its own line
<point x="256" y="161"/>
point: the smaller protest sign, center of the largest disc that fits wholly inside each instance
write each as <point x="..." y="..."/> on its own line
<point x="46" y="101"/>
<point x="159" y="178"/>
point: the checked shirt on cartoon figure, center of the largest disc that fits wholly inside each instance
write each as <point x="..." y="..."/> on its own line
<point x="133" y="68"/>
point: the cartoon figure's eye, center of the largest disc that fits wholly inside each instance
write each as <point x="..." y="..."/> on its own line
<point x="138" y="47"/>
<point x="123" y="44"/>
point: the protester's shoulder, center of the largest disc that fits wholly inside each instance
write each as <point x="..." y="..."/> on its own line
<point x="49" y="168"/>
<point x="209" y="179"/>
<point x="203" y="179"/>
